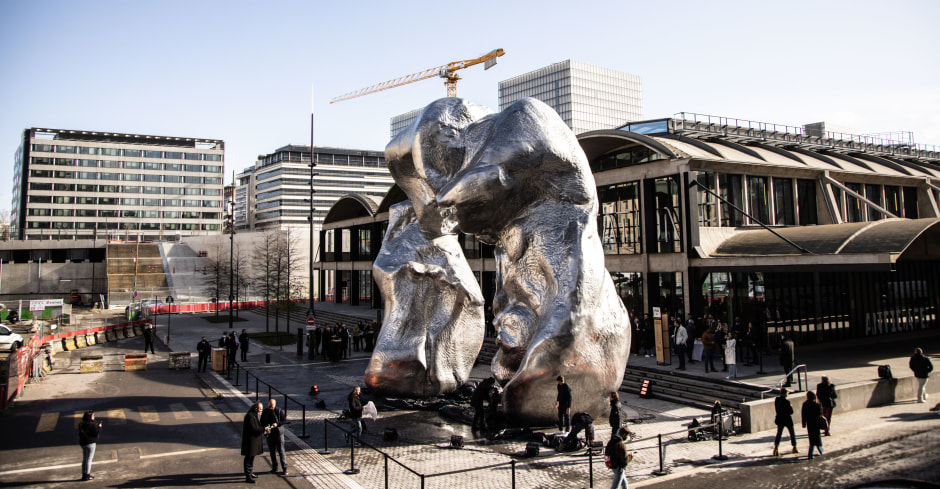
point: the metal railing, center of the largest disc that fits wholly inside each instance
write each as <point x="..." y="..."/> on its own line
<point x="271" y="390"/>
<point x="800" y="380"/>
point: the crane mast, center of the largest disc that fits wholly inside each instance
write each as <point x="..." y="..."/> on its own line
<point x="448" y="72"/>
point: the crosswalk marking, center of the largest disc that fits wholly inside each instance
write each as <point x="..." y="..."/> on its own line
<point x="116" y="417"/>
<point x="180" y="411"/>
<point x="148" y="414"/>
<point x="209" y="408"/>
<point x="47" y="422"/>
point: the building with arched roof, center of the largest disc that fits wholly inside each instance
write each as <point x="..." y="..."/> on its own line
<point x="823" y="236"/>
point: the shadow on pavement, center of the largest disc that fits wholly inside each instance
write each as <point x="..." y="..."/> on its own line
<point x="184" y="480"/>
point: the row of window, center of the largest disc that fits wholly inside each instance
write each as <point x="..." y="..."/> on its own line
<point x="127" y="189"/>
<point x="57" y="199"/>
<point x="132" y="226"/>
<point x="125" y="177"/>
<point x="127" y="165"/>
<point x="130" y="153"/>
<point x="132" y="214"/>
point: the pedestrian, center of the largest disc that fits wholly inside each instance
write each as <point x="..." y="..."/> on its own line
<point x="231" y="344"/>
<point x="690" y="329"/>
<point x="356" y="336"/>
<point x="751" y="340"/>
<point x="317" y="339"/>
<point x="204" y="349"/>
<point x="273" y="419"/>
<point x="617" y="458"/>
<point x="355" y="414"/>
<point x="347" y="344"/>
<point x="243" y="344"/>
<point x="739" y="330"/>
<point x="826" y="395"/>
<point x="787" y="357"/>
<point x="480" y="395"/>
<point x="708" y="348"/>
<point x="812" y="415"/>
<point x="251" y="440"/>
<point x="784" y="419"/>
<point x="149" y="335"/>
<point x="563" y="404"/>
<point x="649" y="336"/>
<point x="682" y="338"/>
<point x="614" y="418"/>
<point x="88" y="432"/>
<point x="223" y="340"/>
<point x="921" y="366"/>
<point x="721" y="338"/>
<point x="731" y="361"/>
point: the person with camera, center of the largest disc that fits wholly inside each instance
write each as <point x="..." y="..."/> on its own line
<point x="251" y="440"/>
<point x="88" y="432"/>
<point x="616" y="458"/>
<point x="273" y="419"/>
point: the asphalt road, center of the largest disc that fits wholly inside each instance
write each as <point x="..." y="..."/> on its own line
<point x="160" y="429"/>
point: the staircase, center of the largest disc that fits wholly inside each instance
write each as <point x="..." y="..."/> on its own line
<point x="688" y="389"/>
<point x="487" y="351"/>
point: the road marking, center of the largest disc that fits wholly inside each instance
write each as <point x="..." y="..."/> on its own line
<point x="116" y="417"/>
<point x="209" y="408"/>
<point x="180" y="411"/>
<point x="148" y="414"/>
<point x="70" y="466"/>
<point x="47" y="422"/>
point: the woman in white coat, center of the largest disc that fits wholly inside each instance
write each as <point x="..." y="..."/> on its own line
<point x="730" y="359"/>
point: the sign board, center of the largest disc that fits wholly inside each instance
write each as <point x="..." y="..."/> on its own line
<point x="657" y="313"/>
<point x="661" y="330"/>
<point x="42" y="304"/>
<point x="169" y="299"/>
<point x="311" y="321"/>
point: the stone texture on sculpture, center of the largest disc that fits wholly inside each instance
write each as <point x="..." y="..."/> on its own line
<point x="526" y="188"/>
<point x="433" y="326"/>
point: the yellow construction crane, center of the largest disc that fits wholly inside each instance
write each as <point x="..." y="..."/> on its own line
<point x="447" y="72"/>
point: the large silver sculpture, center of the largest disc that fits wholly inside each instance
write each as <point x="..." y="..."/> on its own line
<point x="520" y="181"/>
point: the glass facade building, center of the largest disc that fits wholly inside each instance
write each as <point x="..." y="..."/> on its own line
<point x="84" y="185"/>
<point x="587" y="97"/>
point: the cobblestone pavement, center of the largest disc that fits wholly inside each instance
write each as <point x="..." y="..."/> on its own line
<point x="424" y="436"/>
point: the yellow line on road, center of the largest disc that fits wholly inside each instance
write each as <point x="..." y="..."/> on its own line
<point x="47" y="422"/>
<point x="180" y="411"/>
<point x="148" y="414"/>
<point x="116" y="417"/>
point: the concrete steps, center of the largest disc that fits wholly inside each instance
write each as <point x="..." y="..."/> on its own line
<point x="690" y="389"/>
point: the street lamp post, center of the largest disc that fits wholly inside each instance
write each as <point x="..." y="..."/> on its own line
<point x="311" y="312"/>
<point x="231" y="259"/>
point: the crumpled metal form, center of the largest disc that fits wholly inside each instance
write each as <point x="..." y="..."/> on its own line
<point x="527" y="188"/>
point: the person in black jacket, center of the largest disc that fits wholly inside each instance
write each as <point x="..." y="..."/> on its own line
<point x="243" y="344"/>
<point x="231" y="344"/>
<point x="563" y="404"/>
<point x="88" y="432"/>
<point x="251" y="440"/>
<point x="480" y="395"/>
<point x="203" y="348"/>
<point x="811" y="412"/>
<point x="614" y="418"/>
<point x="787" y="357"/>
<point x="826" y="395"/>
<point x="355" y="413"/>
<point x="784" y="419"/>
<point x="921" y="366"/>
<point x="273" y="419"/>
<point x="149" y="335"/>
<point x="618" y="458"/>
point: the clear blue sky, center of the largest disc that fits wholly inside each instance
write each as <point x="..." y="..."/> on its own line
<point x="243" y="71"/>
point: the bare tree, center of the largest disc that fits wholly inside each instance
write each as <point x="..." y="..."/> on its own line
<point x="217" y="270"/>
<point x="293" y="285"/>
<point x="264" y="263"/>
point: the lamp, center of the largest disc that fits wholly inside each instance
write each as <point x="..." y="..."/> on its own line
<point x="231" y="257"/>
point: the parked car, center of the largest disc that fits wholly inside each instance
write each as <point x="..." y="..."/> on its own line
<point x="9" y="340"/>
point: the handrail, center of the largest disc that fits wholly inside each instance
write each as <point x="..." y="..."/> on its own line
<point x="800" y="380"/>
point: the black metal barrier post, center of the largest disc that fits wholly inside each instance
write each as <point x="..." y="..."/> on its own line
<point x="352" y="470"/>
<point x="513" y="464"/>
<point x="256" y="388"/>
<point x="303" y="422"/>
<point x="385" y="456"/>
<point x="590" y="466"/>
<point x="662" y="456"/>
<point x="238" y="371"/>
<point x="720" y="429"/>
<point x="326" y="449"/>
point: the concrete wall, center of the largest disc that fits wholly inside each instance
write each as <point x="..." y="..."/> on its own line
<point x="759" y="415"/>
<point x="52" y="280"/>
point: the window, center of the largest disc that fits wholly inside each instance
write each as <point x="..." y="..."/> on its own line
<point x="707" y="202"/>
<point x="192" y="191"/>
<point x="758" y="201"/>
<point x="110" y="151"/>
<point x="48" y="161"/>
<point x="211" y="191"/>
<point x="171" y="202"/>
<point x="171" y="214"/>
<point x="874" y="194"/>
<point x="85" y="150"/>
<point x="210" y="157"/>
<point x="108" y="201"/>
<point x="636" y="155"/>
<point x="38" y="212"/>
<point x="87" y="201"/>
<point x="86" y="213"/>
<point x="806" y="203"/>
<point x="130" y="189"/>
<point x="173" y="167"/>
<point x="152" y="166"/>
<point x="152" y="178"/>
<point x="108" y="213"/>
<point x="109" y="188"/>
<point x="41" y="173"/>
<point x="193" y="180"/>
<point x="63" y="212"/>
<point x="153" y="190"/>
<point x="130" y="177"/>
<point x="212" y="169"/>
<point x="62" y="199"/>
<point x="853" y="207"/>
<point x="64" y="187"/>
<point x="110" y="164"/>
<point x="129" y="213"/>
<point x="619" y="219"/>
<point x="212" y="180"/>
<point x="667" y="217"/>
<point x="62" y="225"/>
<point x="171" y="178"/>
<point x="150" y="214"/>
<point x="130" y="201"/>
<point x="783" y="202"/>
<point x="109" y="176"/>
<point x="86" y="163"/>
<point x="153" y="154"/>
<point x="172" y="190"/>
<point x="88" y="175"/>
<point x="136" y="153"/>
<point x="152" y="202"/>
<point x="66" y="149"/>
<point x="40" y="186"/>
<point x="83" y="187"/>
<point x="192" y="203"/>
<point x="46" y="148"/>
<point x="172" y="155"/>
<point x="893" y="200"/>
<point x="132" y="165"/>
<point x="211" y="203"/>
<point x="192" y="156"/>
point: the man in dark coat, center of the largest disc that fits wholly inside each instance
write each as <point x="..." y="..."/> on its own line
<point x="787" y="357"/>
<point x="273" y="419"/>
<point x="921" y="366"/>
<point x="784" y="419"/>
<point x="480" y="395"/>
<point x="317" y="340"/>
<point x="149" y="335"/>
<point x="203" y="348"/>
<point x="616" y="453"/>
<point x="231" y="344"/>
<point x="355" y="414"/>
<point x="243" y="344"/>
<point x="251" y="440"/>
<point x="563" y="405"/>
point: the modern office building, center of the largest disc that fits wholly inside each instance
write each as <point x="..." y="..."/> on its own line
<point x="276" y="191"/>
<point x="401" y="121"/>
<point x="85" y="185"/>
<point x="587" y="97"/>
<point x="821" y="236"/>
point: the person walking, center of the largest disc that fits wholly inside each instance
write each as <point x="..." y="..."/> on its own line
<point x="731" y="360"/>
<point x="273" y="419"/>
<point x="787" y="357"/>
<point x="615" y="415"/>
<point x="721" y="339"/>
<point x="784" y="419"/>
<point x="690" y="329"/>
<point x="88" y="432"/>
<point x="355" y="414"/>
<point x="751" y="340"/>
<point x="708" y="348"/>
<point x="243" y="344"/>
<point x="231" y="344"/>
<point x="477" y="400"/>
<point x="682" y="339"/>
<point x="811" y="413"/>
<point x="563" y="404"/>
<point x="149" y="335"/>
<point x="921" y="366"/>
<point x="617" y="458"/>
<point x="826" y="395"/>
<point x="204" y="349"/>
<point x="251" y="440"/>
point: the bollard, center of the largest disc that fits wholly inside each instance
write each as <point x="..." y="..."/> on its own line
<point x="662" y="456"/>
<point x="590" y="466"/>
<point x="352" y="459"/>
<point x="513" y="464"/>
<point x="386" y="469"/>
<point x="721" y="430"/>
<point x="326" y="448"/>
<point x="303" y="421"/>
